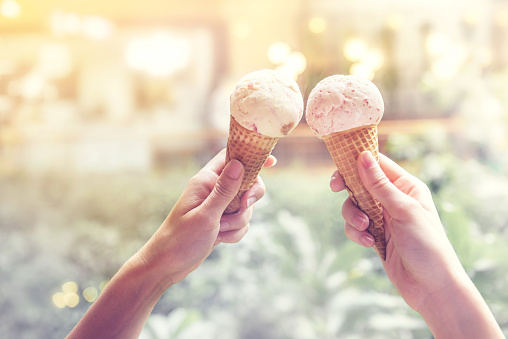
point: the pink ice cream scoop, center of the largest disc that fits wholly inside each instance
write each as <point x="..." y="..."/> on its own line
<point x="343" y="102"/>
<point x="267" y="102"/>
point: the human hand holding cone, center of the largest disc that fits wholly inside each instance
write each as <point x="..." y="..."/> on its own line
<point x="265" y="106"/>
<point x="345" y="148"/>
<point x="251" y="149"/>
<point x="344" y="111"/>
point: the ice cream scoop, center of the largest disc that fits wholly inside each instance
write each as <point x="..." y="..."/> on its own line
<point x="344" y="111"/>
<point x="265" y="106"/>
<point x="342" y="102"/>
<point x="267" y="102"/>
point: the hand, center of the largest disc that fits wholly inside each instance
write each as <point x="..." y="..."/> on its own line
<point x="420" y="261"/>
<point x="419" y="254"/>
<point x="184" y="240"/>
<point x="197" y="223"/>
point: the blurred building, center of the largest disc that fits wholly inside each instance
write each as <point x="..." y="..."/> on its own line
<point x="108" y="86"/>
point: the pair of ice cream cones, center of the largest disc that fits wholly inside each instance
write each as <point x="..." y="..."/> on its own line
<point x="252" y="149"/>
<point x="341" y="110"/>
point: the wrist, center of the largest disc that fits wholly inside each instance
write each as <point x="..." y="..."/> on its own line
<point x="152" y="279"/>
<point x="123" y="307"/>
<point x="459" y="311"/>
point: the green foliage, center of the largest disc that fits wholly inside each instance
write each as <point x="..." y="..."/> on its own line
<point x="470" y="194"/>
<point x="58" y="228"/>
<point x="295" y="275"/>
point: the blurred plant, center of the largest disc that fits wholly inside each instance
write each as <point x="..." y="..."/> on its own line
<point x="179" y="324"/>
<point x="469" y="190"/>
<point x="57" y="228"/>
<point x="295" y="275"/>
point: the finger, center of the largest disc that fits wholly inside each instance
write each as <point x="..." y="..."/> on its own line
<point x="407" y="183"/>
<point x="378" y="184"/>
<point x="270" y="161"/>
<point x="225" y="189"/>
<point x="233" y="236"/>
<point x="354" y="216"/>
<point x="235" y="221"/>
<point x="363" y="238"/>
<point x="253" y="194"/>
<point x="217" y="163"/>
<point x="336" y="182"/>
<point x="391" y="169"/>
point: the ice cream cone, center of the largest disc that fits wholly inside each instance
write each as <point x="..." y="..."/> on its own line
<point x="251" y="149"/>
<point x="345" y="147"/>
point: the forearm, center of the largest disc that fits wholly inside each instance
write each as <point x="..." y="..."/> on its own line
<point x="459" y="311"/>
<point x="123" y="306"/>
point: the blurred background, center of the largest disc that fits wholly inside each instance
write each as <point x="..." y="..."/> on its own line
<point x="107" y="108"/>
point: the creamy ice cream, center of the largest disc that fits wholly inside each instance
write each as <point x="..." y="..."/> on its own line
<point x="344" y="111"/>
<point x="343" y="102"/>
<point x="267" y="102"/>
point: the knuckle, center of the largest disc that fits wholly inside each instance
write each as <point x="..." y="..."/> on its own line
<point x="379" y="181"/>
<point x="223" y="189"/>
<point x="195" y="180"/>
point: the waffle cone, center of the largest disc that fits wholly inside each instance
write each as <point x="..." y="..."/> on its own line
<point x="345" y="147"/>
<point x="251" y="149"/>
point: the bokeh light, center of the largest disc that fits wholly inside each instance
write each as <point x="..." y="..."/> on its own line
<point x="297" y="62"/>
<point x="10" y="9"/>
<point x="286" y="60"/>
<point x="159" y="54"/>
<point x="31" y="86"/>
<point x="90" y="294"/>
<point x="68" y="297"/>
<point x="65" y="23"/>
<point x="437" y="44"/>
<point x="363" y="70"/>
<point x="103" y="284"/>
<point x="58" y="299"/>
<point x="317" y="25"/>
<point x="294" y="65"/>
<point x="374" y="58"/>
<point x="278" y="52"/>
<point x="55" y="61"/>
<point x="355" y="49"/>
<point x="365" y="60"/>
<point x="70" y="287"/>
<point x="71" y="299"/>
<point x="97" y="28"/>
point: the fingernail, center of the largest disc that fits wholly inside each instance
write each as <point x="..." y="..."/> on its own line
<point x="368" y="160"/>
<point x="251" y="201"/>
<point x="234" y="169"/>
<point x="367" y="241"/>
<point x="359" y="222"/>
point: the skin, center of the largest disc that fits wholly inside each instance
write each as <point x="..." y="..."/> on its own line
<point x="184" y="240"/>
<point x="421" y="263"/>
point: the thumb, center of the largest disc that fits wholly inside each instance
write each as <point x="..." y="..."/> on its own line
<point x="225" y="188"/>
<point x="378" y="184"/>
